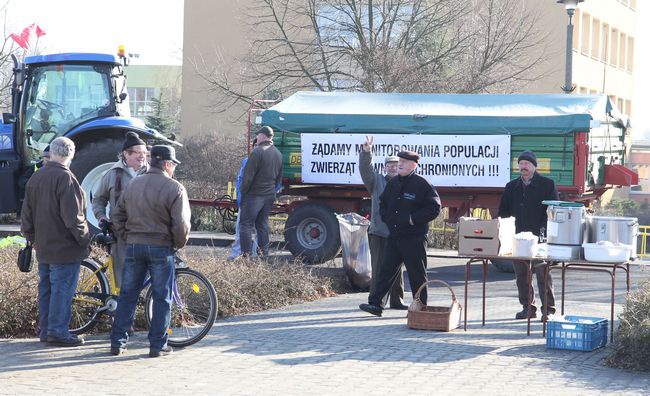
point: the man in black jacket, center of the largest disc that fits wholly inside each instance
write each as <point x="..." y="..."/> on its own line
<point x="522" y="198"/>
<point x="262" y="175"/>
<point x="407" y="206"/>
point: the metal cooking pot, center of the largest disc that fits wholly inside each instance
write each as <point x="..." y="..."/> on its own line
<point x="613" y="229"/>
<point x="566" y="224"/>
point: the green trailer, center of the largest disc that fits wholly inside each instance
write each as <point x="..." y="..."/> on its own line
<point x="469" y="146"/>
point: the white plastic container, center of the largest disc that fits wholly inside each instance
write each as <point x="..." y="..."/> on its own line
<point x="524" y="244"/>
<point x="607" y="253"/>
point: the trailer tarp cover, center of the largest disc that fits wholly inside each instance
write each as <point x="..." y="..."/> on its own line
<point x="512" y="114"/>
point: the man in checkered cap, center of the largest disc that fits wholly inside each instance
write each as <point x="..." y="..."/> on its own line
<point x="375" y="183"/>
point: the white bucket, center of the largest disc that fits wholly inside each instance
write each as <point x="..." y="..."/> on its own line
<point x="524" y="245"/>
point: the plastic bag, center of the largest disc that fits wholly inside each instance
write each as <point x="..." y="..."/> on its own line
<point x="356" y="249"/>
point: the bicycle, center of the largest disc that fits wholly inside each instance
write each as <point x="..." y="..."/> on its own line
<point x="194" y="299"/>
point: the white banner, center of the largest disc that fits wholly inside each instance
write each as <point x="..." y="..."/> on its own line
<point x="446" y="160"/>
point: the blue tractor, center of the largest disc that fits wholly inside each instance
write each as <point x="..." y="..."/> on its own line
<point x="82" y="96"/>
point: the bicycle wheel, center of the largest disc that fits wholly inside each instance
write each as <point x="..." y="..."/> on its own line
<point x="91" y="288"/>
<point x="194" y="308"/>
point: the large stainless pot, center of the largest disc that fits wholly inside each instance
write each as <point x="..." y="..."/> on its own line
<point x="566" y="224"/>
<point x="613" y="229"/>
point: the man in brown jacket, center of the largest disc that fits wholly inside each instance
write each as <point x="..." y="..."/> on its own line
<point x="153" y="217"/>
<point x="53" y="219"/>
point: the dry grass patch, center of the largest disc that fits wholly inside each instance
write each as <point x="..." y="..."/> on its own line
<point x="631" y="349"/>
<point x="243" y="286"/>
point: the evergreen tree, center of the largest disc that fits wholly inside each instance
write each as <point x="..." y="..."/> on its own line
<point x="160" y="119"/>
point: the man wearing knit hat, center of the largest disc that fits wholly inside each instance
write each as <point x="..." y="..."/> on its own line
<point x="407" y="206"/>
<point x="132" y="161"/>
<point x="522" y="198"/>
<point x="375" y="183"/>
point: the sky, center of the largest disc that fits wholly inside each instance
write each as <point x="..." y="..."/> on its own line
<point x="153" y="29"/>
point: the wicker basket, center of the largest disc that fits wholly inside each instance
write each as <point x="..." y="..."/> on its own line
<point x="427" y="317"/>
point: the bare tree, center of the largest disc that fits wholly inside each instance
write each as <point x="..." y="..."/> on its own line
<point x="380" y="46"/>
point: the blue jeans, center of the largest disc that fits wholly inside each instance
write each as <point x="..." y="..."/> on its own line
<point x="57" y="284"/>
<point x="235" y="251"/>
<point x="255" y="212"/>
<point x="159" y="261"/>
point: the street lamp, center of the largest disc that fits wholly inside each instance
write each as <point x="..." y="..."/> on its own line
<point x="570" y="6"/>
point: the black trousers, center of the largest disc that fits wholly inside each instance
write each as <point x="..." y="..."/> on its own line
<point x="377" y="248"/>
<point x="412" y="251"/>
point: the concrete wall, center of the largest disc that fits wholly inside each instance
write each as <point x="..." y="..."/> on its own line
<point x="216" y="31"/>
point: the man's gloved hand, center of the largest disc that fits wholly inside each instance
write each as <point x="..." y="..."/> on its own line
<point x="105" y="225"/>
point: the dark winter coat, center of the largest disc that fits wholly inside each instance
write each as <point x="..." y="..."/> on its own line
<point x="525" y="202"/>
<point x="263" y="170"/>
<point x="409" y="197"/>
<point x="53" y="215"/>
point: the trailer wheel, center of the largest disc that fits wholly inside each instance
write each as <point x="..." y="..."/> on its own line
<point x="89" y="165"/>
<point x="503" y="265"/>
<point x="312" y="233"/>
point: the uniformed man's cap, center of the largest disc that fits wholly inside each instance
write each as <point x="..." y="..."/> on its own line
<point x="409" y="155"/>
<point x="392" y="158"/>
<point x="162" y="152"/>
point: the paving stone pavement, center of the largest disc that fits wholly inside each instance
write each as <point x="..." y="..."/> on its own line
<point x="329" y="347"/>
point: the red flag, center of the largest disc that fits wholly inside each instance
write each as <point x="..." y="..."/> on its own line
<point x="26" y="35"/>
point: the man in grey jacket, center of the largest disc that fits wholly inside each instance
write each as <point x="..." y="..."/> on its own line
<point x="375" y="183"/>
<point x="131" y="163"/>
<point x="53" y="218"/>
<point x="262" y="174"/>
<point x="153" y="216"/>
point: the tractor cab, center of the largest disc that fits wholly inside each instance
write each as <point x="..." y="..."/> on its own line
<point x="63" y="91"/>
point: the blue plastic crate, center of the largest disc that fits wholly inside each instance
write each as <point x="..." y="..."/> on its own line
<point x="578" y="333"/>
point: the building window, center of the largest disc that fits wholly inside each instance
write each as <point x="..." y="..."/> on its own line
<point x="595" y="39"/>
<point x="583" y="90"/>
<point x="628" y="108"/>
<point x="140" y="101"/>
<point x="620" y="103"/>
<point x="614" y="50"/>
<point x="586" y="26"/>
<point x="621" y="50"/>
<point x="605" y="35"/>
<point x="630" y="54"/>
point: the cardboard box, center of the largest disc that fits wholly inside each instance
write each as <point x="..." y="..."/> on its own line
<point x="485" y="237"/>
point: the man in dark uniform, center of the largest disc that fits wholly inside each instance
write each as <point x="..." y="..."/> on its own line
<point x="522" y="198"/>
<point x="407" y="205"/>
